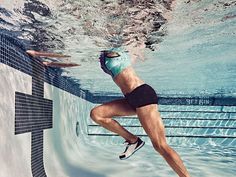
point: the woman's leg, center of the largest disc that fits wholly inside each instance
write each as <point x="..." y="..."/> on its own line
<point x="103" y="114"/>
<point x="152" y="123"/>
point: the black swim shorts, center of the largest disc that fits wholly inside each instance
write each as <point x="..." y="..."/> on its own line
<point x="141" y="96"/>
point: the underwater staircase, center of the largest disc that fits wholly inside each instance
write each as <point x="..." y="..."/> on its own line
<point x="185" y="117"/>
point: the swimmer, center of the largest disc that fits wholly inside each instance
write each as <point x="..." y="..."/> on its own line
<point x="139" y="99"/>
<point x="34" y="53"/>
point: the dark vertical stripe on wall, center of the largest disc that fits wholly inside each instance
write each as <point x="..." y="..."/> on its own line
<point x="45" y="107"/>
<point x="37" y="164"/>
<point x="38" y="79"/>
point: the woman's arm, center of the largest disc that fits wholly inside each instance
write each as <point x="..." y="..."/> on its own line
<point x="34" y="53"/>
<point x="60" y="64"/>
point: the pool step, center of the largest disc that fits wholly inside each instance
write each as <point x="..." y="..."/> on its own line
<point x="174" y="131"/>
<point x="181" y="123"/>
<point x="186" y="122"/>
<point x="196" y="108"/>
<point x="203" y="115"/>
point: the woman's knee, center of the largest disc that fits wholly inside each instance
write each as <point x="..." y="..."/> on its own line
<point x="95" y="114"/>
<point x="160" y="146"/>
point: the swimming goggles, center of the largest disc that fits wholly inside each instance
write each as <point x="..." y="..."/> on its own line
<point x="110" y="54"/>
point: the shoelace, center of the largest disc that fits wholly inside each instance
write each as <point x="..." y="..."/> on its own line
<point x="126" y="143"/>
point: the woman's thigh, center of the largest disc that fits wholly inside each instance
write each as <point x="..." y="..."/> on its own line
<point x="118" y="107"/>
<point x="151" y="121"/>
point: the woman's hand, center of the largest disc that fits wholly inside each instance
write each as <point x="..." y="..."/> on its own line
<point x="32" y="53"/>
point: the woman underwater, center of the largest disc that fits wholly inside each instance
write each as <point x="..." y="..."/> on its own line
<point x="139" y="99"/>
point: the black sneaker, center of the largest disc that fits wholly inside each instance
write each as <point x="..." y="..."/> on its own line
<point x="131" y="148"/>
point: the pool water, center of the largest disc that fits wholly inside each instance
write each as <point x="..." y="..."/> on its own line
<point x="195" y="56"/>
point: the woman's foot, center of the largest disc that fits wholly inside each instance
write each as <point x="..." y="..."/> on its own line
<point x="131" y="148"/>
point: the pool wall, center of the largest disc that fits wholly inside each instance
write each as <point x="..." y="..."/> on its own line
<point x="43" y="117"/>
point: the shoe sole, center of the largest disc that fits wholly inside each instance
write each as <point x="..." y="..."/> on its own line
<point x="134" y="151"/>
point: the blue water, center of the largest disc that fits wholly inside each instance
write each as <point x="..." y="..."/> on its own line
<point x="196" y="56"/>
